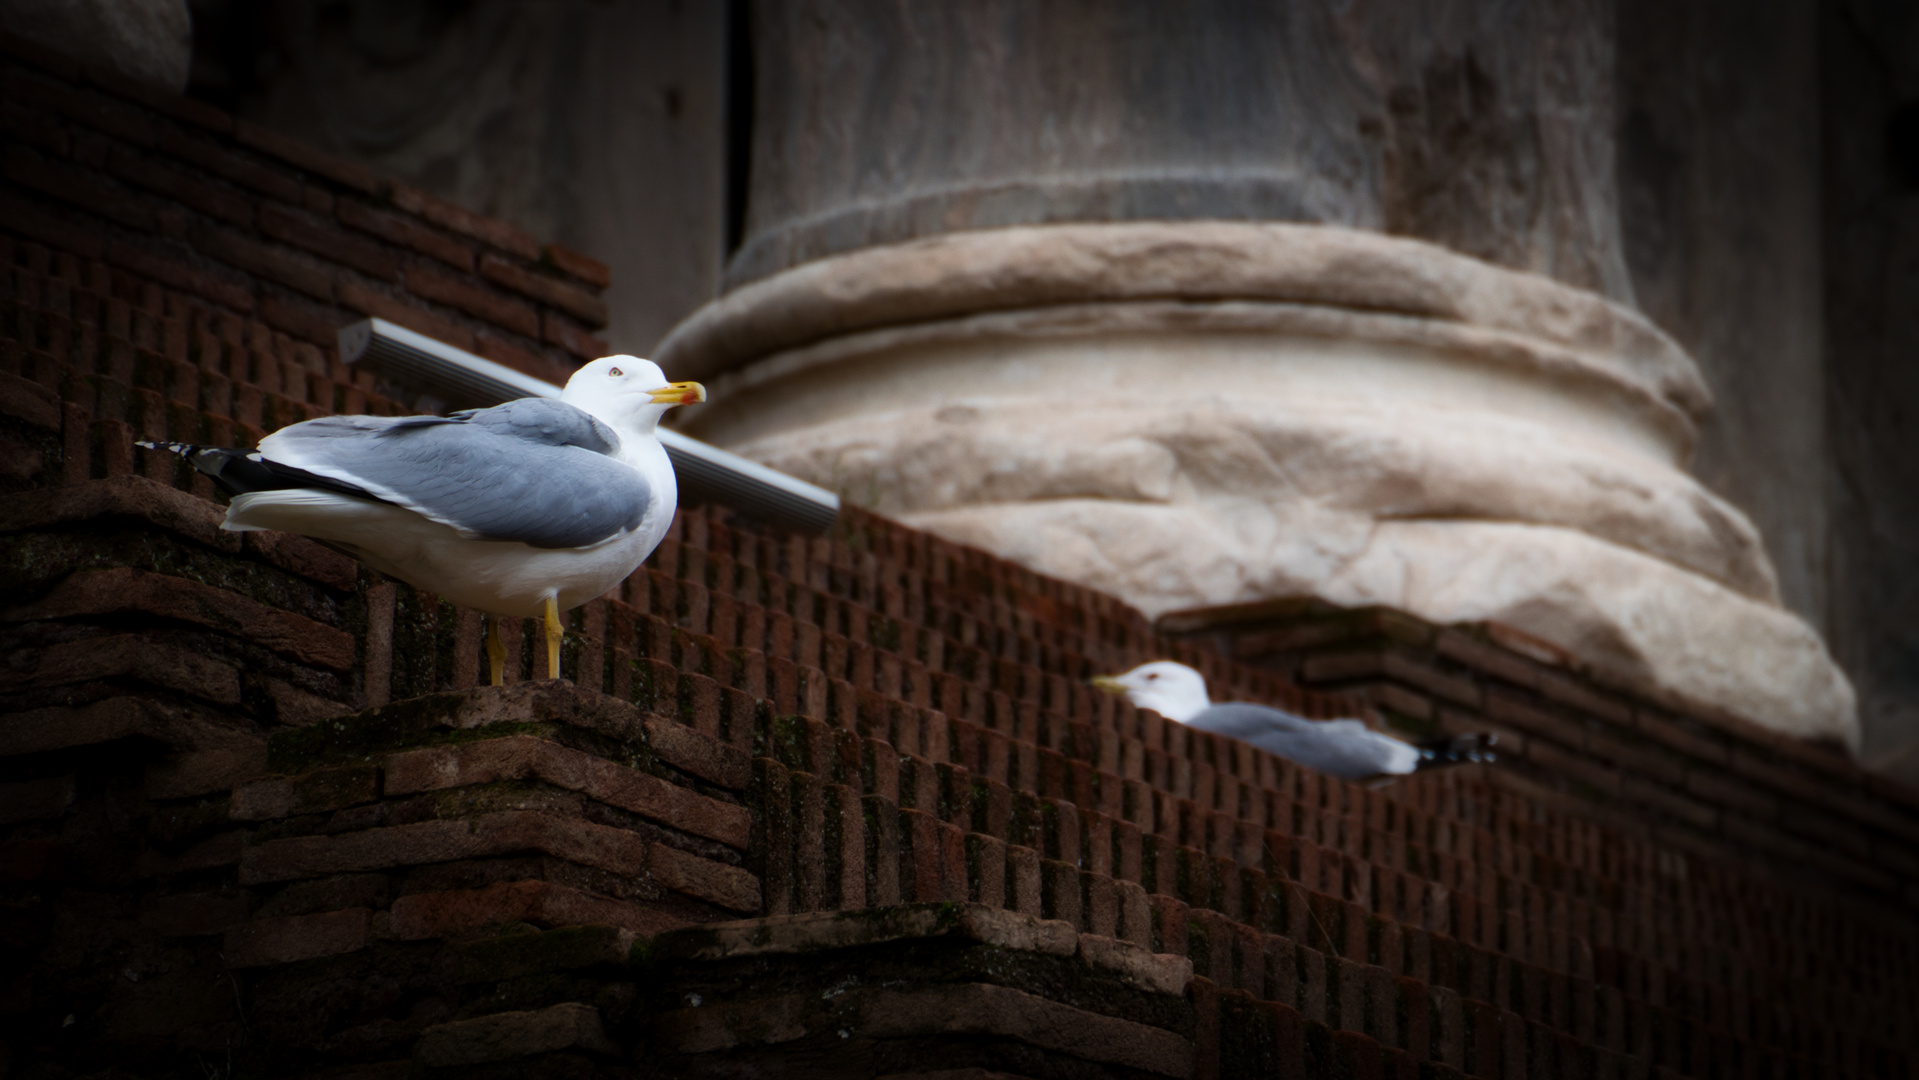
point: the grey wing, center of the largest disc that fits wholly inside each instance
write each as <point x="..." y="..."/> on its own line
<point x="1344" y="748"/>
<point x="507" y="473"/>
<point x="548" y="421"/>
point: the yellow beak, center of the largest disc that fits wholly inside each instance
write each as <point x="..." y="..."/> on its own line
<point x="679" y="393"/>
<point x="1109" y="683"/>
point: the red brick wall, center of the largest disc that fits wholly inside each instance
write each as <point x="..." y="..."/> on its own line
<point x="248" y="224"/>
<point x="253" y="808"/>
<point x="1692" y="778"/>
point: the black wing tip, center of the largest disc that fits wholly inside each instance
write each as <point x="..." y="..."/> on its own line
<point x="1470" y="749"/>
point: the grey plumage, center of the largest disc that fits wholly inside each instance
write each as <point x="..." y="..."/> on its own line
<point x="1343" y="748"/>
<point x="488" y="473"/>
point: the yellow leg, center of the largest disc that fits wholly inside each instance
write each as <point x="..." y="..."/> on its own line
<point x="495" y="651"/>
<point x="554" y="632"/>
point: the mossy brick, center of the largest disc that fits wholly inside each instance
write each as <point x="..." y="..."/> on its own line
<point x="365" y="734"/>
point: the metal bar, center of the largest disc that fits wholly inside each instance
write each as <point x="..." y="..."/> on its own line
<point x="704" y="472"/>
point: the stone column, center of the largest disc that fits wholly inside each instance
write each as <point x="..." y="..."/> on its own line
<point x="1207" y="304"/>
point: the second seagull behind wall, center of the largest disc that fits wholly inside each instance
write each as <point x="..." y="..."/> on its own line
<point x="1347" y="749"/>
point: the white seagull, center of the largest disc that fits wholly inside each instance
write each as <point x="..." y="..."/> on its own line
<point x="1347" y="749"/>
<point x="525" y="509"/>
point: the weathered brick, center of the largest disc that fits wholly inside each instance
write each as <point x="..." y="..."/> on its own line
<point x="503" y="1036"/>
<point x="523" y="757"/>
<point x="1494" y="661"/>
<point x="172" y="273"/>
<point x="81" y="187"/>
<point x="728" y="886"/>
<point x="1391" y="664"/>
<point x="1675" y="733"/>
<point x="303" y="320"/>
<point x="1660" y="795"/>
<point x="265" y="942"/>
<point x="136" y="657"/>
<point x="29" y="402"/>
<point x="225" y="760"/>
<point x="42" y="223"/>
<point x="126" y="589"/>
<point x="571" y="299"/>
<point x="1755" y="764"/>
<point x="475" y="300"/>
<point x="446" y="215"/>
<point x="178" y="106"/>
<point x="497" y="833"/>
<point x="406" y="232"/>
<point x="307" y="558"/>
<point x="1542" y="721"/>
<point x="1569" y="691"/>
<point x="981" y="1009"/>
<point x="1398" y="699"/>
<point x="542" y="903"/>
<point x="1529" y="646"/>
<point x="1573" y="766"/>
<point x="94" y="110"/>
<point x="498" y="349"/>
<point x="300" y="155"/>
<point x="218" y="160"/>
<point x="35" y="800"/>
<point x="1646" y="760"/>
<point x="584" y="267"/>
<point x="557" y="329"/>
<point x="262" y="800"/>
<point x="702" y="755"/>
<point x="35" y="128"/>
<point x="195" y="914"/>
<point x="270" y="261"/>
<point x="379" y="305"/>
<point x="208" y="197"/>
<point x="323" y="239"/>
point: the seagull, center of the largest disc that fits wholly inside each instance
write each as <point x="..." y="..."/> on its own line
<point x="1347" y="749"/>
<point x="528" y="509"/>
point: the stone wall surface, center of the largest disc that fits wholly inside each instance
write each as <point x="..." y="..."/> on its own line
<point x="821" y="806"/>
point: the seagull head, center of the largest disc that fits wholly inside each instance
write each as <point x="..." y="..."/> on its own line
<point x="627" y="393"/>
<point x="1170" y="689"/>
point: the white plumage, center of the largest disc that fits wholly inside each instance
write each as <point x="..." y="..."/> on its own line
<point x="525" y="509"/>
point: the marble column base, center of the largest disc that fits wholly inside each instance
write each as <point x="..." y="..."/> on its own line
<point x="1207" y="414"/>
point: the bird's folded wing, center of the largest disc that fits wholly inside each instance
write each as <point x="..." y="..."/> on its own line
<point x="1345" y="748"/>
<point x="539" y="475"/>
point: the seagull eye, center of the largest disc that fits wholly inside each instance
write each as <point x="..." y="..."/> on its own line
<point x="1154" y="675"/>
<point x="616" y="373"/>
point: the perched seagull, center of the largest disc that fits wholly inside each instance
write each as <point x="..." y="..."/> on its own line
<point x="1347" y="749"/>
<point x="528" y="508"/>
